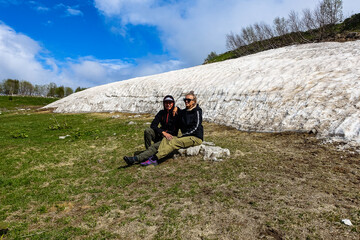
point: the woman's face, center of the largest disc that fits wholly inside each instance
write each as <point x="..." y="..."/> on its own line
<point x="189" y="101"/>
<point x="168" y="105"/>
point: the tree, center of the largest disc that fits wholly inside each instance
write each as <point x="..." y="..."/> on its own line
<point x="51" y="90"/>
<point x="11" y="86"/>
<point x="210" y="57"/>
<point x="234" y="41"/>
<point x="280" y="26"/>
<point x="78" y="89"/>
<point x="60" y="92"/>
<point x="329" y="12"/>
<point x="26" y="88"/>
<point x="68" y="91"/>
<point x="308" y="20"/>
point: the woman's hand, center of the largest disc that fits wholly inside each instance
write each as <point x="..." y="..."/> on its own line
<point x="175" y="111"/>
<point x="168" y="136"/>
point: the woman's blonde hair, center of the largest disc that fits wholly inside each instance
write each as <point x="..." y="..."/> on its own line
<point x="192" y="94"/>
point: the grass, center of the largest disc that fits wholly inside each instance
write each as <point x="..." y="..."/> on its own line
<point x="282" y="186"/>
<point x="19" y="102"/>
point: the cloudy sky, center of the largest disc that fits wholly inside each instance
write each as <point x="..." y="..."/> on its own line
<point x="92" y="42"/>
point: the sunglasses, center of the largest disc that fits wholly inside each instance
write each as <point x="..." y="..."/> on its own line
<point x="188" y="99"/>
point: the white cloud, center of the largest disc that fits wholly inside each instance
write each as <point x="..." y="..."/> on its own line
<point x="42" y="9"/>
<point x="190" y="30"/>
<point x="19" y="57"/>
<point x="69" y="10"/>
<point x="74" y="12"/>
<point x="23" y="58"/>
<point x="89" y="71"/>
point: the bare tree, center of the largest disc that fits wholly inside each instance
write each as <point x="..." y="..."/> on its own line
<point x="234" y="41"/>
<point x="330" y="11"/>
<point x="294" y="22"/>
<point x="280" y="26"/>
<point x="295" y="25"/>
<point x="308" y="20"/>
<point x="245" y="36"/>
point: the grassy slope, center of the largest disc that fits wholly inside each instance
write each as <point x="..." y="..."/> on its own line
<point x="273" y="185"/>
<point x="19" y="102"/>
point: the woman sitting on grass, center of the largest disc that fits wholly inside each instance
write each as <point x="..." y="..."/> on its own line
<point x="167" y="119"/>
<point x="190" y="123"/>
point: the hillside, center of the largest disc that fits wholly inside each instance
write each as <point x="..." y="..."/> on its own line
<point x="348" y="30"/>
<point x="311" y="87"/>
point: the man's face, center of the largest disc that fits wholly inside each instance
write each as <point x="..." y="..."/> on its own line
<point x="168" y="105"/>
<point x="189" y="101"/>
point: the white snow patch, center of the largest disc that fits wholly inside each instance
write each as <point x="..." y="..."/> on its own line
<point x="311" y="87"/>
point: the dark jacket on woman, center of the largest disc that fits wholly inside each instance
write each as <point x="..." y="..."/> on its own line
<point x="190" y="122"/>
<point x="167" y="122"/>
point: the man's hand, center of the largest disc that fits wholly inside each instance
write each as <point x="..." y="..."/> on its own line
<point x="168" y="136"/>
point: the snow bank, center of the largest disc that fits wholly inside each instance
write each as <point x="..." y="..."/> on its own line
<point x="312" y="87"/>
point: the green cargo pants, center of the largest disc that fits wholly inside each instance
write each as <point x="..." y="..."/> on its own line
<point x="150" y="136"/>
<point x="151" y="148"/>
<point x="166" y="147"/>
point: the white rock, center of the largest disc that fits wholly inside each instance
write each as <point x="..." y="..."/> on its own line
<point x="115" y="116"/>
<point x="63" y="137"/>
<point x="213" y="153"/>
<point x="347" y="222"/>
<point x="297" y="88"/>
<point x="131" y="123"/>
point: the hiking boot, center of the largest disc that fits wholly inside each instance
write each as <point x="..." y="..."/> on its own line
<point x="151" y="161"/>
<point x="131" y="160"/>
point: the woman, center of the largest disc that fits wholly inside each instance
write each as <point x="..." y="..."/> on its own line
<point x="167" y="118"/>
<point x="190" y="123"/>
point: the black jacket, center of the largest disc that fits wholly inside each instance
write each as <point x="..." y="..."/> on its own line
<point x="167" y="123"/>
<point x="190" y="122"/>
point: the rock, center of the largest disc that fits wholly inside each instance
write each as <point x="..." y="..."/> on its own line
<point x="347" y="222"/>
<point x="212" y="153"/>
<point x="63" y="137"/>
<point x="115" y="116"/>
<point x="131" y="123"/>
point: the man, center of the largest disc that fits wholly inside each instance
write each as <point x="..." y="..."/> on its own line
<point x="190" y="123"/>
<point x="167" y="119"/>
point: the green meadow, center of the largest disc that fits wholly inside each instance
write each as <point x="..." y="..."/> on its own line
<point x="273" y="186"/>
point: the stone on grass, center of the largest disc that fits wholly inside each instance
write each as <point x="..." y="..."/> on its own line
<point x="63" y="137"/>
<point x="207" y="150"/>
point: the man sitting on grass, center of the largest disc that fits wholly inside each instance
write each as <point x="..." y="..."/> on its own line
<point x="190" y="123"/>
<point x="167" y="119"/>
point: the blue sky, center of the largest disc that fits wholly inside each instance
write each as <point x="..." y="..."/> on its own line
<point x="92" y="42"/>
